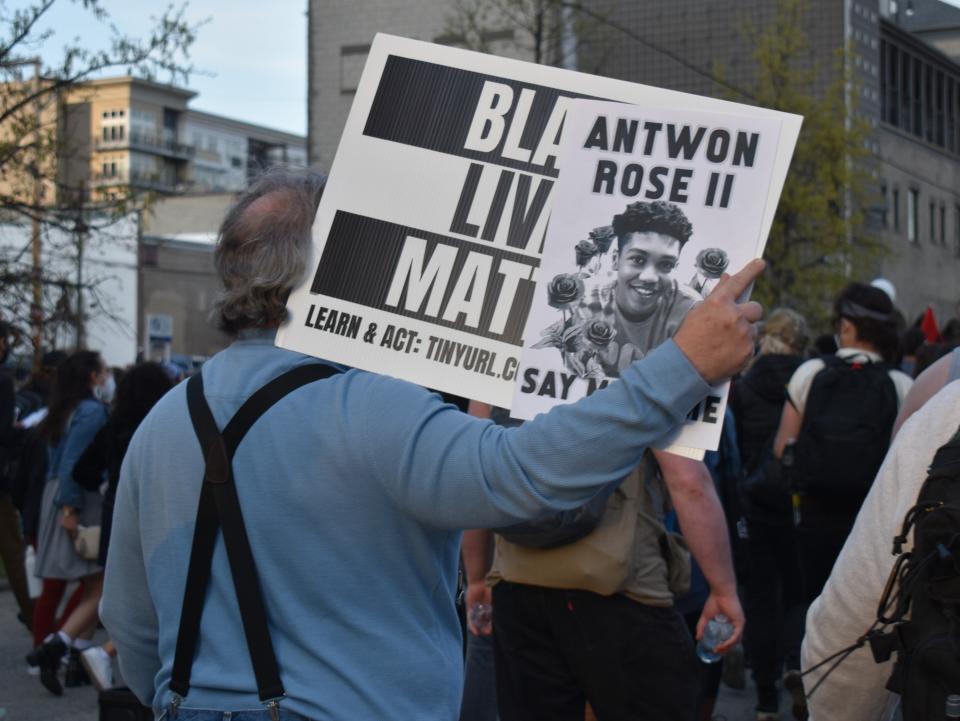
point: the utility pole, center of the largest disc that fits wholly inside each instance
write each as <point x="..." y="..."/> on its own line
<point x="36" y="242"/>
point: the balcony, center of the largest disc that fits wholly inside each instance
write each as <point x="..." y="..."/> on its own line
<point x="139" y="180"/>
<point x="148" y="143"/>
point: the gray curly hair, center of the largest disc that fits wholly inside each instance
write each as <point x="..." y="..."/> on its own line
<point x="262" y="248"/>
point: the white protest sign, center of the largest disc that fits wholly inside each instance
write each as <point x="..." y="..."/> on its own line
<point x="653" y="206"/>
<point x="428" y="240"/>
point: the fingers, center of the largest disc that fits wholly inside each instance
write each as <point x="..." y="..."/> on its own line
<point x="751" y="311"/>
<point x="733" y="286"/>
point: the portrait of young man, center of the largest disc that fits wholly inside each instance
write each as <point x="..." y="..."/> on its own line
<point x="645" y="304"/>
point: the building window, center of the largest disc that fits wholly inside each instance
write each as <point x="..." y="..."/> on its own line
<point x="956" y="228"/>
<point x="943" y="226"/>
<point x="933" y="228"/>
<point x="896" y="209"/>
<point x="352" y="59"/>
<point x="913" y="214"/>
<point x="884" y="206"/>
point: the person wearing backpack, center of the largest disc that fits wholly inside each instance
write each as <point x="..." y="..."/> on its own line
<point x="924" y="457"/>
<point x="772" y="595"/>
<point x="838" y="420"/>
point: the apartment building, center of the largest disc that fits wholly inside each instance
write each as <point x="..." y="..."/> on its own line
<point x="128" y="131"/>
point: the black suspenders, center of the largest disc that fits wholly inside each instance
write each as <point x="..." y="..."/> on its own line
<point x="219" y="508"/>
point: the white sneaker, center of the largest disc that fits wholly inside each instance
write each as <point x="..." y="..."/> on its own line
<point x="99" y="667"/>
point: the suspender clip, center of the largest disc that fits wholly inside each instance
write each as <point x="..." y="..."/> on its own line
<point x="273" y="708"/>
<point x="174" y="705"/>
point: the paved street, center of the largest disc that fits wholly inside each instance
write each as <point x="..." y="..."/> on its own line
<point x="26" y="700"/>
<point x="21" y="694"/>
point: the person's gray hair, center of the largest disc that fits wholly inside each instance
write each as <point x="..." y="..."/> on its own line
<point x="784" y="333"/>
<point x="262" y="248"/>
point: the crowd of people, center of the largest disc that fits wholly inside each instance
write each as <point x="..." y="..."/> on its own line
<point x="593" y="561"/>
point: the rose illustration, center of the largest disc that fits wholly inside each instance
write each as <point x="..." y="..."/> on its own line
<point x="599" y="333"/>
<point x="564" y="291"/>
<point x="602" y="237"/>
<point x="585" y="251"/>
<point x="712" y="262"/>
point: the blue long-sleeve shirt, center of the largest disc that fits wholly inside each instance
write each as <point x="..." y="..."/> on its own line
<point x="353" y="490"/>
<point x="87" y="419"/>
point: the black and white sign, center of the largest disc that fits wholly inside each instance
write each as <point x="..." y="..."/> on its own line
<point x="653" y="207"/>
<point x="429" y="237"/>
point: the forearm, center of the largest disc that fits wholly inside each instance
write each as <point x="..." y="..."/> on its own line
<point x="477" y="551"/>
<point x="702" y="521"/>
<point x="455" y="472"/>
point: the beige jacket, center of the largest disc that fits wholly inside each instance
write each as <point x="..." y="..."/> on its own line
<point x="848" y="605"/>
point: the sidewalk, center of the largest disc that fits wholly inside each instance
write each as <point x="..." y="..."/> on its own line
<point x="21" y="694"/>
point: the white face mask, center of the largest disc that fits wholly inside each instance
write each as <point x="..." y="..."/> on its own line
<point x="106" y="390"/>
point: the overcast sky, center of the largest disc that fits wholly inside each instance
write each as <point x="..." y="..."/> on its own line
<point x="251" y="54"/>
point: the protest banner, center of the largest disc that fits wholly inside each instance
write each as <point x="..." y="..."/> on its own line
<point x="654" y="205"/>
<point x="428" y="239"/>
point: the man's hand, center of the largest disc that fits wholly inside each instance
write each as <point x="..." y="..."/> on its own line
<point x="717" y="336"/>
<point x="478" y="593"/>
<point x="729" y="605"/>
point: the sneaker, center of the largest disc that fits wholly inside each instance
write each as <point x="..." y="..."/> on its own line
<point x="99" y="667"/>
<point x="793" y="682"/>
<point x="75" y="675"/>
<point x="51" y="653"/>
<point x="768" y="704"/>
<point x="734" y="672"/>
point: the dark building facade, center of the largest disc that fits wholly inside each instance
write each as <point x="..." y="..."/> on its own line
<point x="907" y="89"/>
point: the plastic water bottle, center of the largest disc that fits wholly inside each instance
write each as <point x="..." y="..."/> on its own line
<point x="718" y="630"/>
<point x="34" y="584"/>
<point x="953" y="706"/>
<point x="481" y="617"/>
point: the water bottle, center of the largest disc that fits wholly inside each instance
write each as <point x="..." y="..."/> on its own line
<point x="718" y="630"/>
<point x="953" y="706"/>
<point x="481" y="617"/>
<point x="34" y="584"/>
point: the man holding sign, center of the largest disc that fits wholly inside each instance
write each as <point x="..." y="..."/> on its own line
<point x="352" y="490"/>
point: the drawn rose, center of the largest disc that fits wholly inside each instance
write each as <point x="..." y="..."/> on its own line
<point x="564" y="291"/>
<point x="602" y="237"/>
<point x="599" y="333"/>
<point x="585" y="251"/>
<point x="712" y="262"/>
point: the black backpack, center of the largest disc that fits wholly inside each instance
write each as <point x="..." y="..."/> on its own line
<point x="845" y="431"/>
<point x="922" y="597"/>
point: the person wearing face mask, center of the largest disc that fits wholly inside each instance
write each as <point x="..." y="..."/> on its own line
<point x="645" y="305"/>
<point x="75" y="417"/>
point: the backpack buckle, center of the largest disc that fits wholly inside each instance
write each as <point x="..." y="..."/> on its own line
<point x="883" y="645"/>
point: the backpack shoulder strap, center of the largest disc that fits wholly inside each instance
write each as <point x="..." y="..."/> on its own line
<point x="219" y="506"/>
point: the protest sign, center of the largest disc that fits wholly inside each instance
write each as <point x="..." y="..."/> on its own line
<point x="653" y="206"/>
<point x="427" y="242"/>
